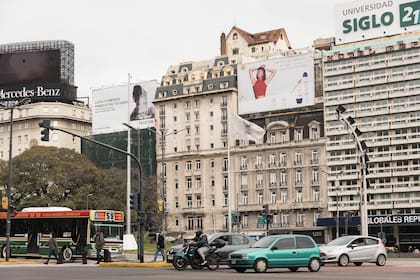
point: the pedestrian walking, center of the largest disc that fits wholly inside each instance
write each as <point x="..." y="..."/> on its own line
<point x="99" y="245"/>
<point x="160" y="247"/>
<point x="52" y="248"/>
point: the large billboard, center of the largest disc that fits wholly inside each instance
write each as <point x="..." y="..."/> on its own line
<point x="131" y="103"/>
<point x="367" y="19"/>
<point x="276" y="84"/>
<point x="30" y="67"/>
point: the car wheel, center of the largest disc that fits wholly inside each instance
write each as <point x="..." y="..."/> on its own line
<point x="213" y="262"/>
<point x="314" y="265"/>
<point x="293" y="269"/>
<point x="240" y="269"/>
<point x="260" y="265"/>
<point x="381" y="260"/>
<point x="3" y="252"/>
<point x="358" y="263"/>
<point x="343" y="260"/>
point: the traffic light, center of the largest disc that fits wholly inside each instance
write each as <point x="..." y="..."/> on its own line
<point x="266" y="210"/>
<point x="269" y="219"/>
<point x="134" y="201"/>
<point x="45" y="132"/>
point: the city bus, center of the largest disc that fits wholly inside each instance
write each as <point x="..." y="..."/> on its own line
<point x="31" y="229"/>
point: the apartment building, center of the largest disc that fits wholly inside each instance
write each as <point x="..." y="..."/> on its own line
<point x="193" y="105"/>
<point x="378" y="82"/>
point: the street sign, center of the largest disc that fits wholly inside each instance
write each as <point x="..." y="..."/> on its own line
<point x="261" y="220"/>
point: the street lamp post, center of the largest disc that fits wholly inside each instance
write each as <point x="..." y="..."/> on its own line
<point x="349" y="121"/>
<point x="10" y="106"/>
<point x="87" y="200"/>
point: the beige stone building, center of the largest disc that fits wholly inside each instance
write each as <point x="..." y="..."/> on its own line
<point x="27" y="133"/>
<point x="194" y="100"/>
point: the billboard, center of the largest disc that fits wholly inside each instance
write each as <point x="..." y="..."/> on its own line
<point x="276" y="84"/>
<point x="39" y="92"/>
<point x="367" y="19"/>
<point x="131" y="103"/>
<point x="30" y="67"/>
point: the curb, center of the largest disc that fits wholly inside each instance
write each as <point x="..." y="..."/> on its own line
<point x="17" y="262"/>
<point x="129" y="264"/>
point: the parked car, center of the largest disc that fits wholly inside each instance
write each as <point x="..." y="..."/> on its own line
<point x="233" y="241"/>
<point x="354" y="248"/>
<point x="288" y="251"/>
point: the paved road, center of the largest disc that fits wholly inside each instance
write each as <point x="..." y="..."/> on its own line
<point x="401" y="270"/>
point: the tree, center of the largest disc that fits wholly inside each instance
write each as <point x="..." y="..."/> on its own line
<point x="51" y="176"/>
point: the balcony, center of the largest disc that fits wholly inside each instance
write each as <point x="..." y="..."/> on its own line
<point x="272" y="165"/>
<point x="315" y="182"/>
<point x="283" y="184"/>
<point x="297" y="163"/>
<point x="244" y="167"/>
<point x="259" y="186"/>
<point x="273" y="185"/>
<point x="244" y="187"/>
<point x="259" y="166"/>
<point x="314" y="161"/>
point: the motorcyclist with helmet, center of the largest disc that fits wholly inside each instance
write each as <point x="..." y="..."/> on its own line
<point x="202" y="244"/>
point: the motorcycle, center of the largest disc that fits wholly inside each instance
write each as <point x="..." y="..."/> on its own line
<point x="188" y="255"/>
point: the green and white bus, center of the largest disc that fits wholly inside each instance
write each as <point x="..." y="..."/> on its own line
<point x="31" y="228"/>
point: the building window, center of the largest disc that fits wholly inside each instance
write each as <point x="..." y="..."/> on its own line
<point x="225" y="200"/>
<point x="299" y="179"/>
<point x="272" y="137"/>
<point x="198" y="201"/>
<point x="197" y="182"/>
<point x="176" y="167"/>
<point x="299" y="219"/>
<point x="260" y="180"/>
<point x="189" y="183"/>
<point x="260" y="198"/>
<point x="283" y="196"/>
<point x="314" y="157"/>
<point x="212" y="163"/>
<point x="285" y="219"/>
<point x="188" y="165"/>
<point x="298" y="158"/>
<point x="273" y="197"/>
<point x="253" y="49"/>
<point x="189" y="201"/>
<point x="235" y="36"/>
<point x="225" y="164"/>
<point x="315" y="194"/>
<point x="197" y="164"/>
<point x="212" y="182"/>
<point x="235" y="51"/>
<point x="190" y="223"/>
<point x="176" y="185"/>
<point x="283" y="137"/>
<point x="315" y="176"/>
<point x="176" y="202"/>
<point x="245" y="198"/>
<point x="272" y="160"/>
<point x="200" y="222"/>
<point x="225" y="183"/>
<point x="299" y="135"/>
<point x="299" y="197"/>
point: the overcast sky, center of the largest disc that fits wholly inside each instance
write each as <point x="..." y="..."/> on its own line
<point x="144" y="37"/>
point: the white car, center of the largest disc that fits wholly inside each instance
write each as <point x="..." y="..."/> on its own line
<point x="354" y="248"/>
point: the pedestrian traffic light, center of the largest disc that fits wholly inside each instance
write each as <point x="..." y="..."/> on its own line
<point x="134" y="201"/>
<point x="45" y="132"/>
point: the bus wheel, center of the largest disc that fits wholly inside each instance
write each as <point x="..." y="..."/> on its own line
<point x="67" y="254"/>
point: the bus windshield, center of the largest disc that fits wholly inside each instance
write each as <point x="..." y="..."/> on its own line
<point x="111" y="232"/>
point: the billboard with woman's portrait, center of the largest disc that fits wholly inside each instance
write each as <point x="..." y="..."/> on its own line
<point x="276" y="84"/>
<point x="113" y="106"/>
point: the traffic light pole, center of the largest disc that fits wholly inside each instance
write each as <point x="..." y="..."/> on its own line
<point x="140" y="225"/>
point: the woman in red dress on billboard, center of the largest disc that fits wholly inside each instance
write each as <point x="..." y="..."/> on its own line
<point x="261" y="81"/>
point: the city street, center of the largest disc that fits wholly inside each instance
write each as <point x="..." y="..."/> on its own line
<point x="397" y="269"/>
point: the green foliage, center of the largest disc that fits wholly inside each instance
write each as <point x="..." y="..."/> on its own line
<point x="51" y="176"/>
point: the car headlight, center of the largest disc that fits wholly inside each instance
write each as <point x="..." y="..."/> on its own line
<point x="245" y="257"/>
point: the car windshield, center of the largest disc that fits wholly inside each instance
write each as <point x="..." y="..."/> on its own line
<point x="264" y="243"/>
<point x="341" y="241"/>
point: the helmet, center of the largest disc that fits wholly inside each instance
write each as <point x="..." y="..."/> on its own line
<point x="198" y="232"/>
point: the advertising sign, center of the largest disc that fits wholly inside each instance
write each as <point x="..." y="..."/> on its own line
<point x="39" y="92"/>
<point x="30" y="67"/>
<point x="276" y="84"/>
<point x="113" y="106"/>
<point x="367" y="19"/>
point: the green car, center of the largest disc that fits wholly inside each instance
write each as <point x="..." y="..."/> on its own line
<point x="289" y="251"/>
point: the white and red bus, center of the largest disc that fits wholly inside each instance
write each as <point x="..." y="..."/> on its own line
<point x="31" y="229"/>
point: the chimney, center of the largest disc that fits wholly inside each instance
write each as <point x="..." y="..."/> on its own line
<point x="223" y="44"/>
